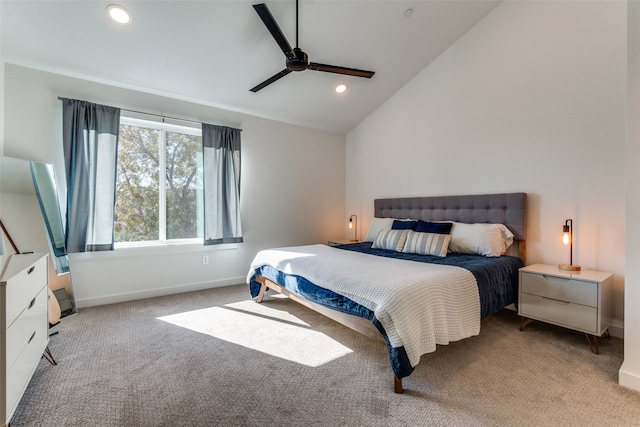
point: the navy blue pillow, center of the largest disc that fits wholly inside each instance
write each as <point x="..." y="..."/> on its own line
<point x="434" y="227"/>
<point x="403" y="225"/>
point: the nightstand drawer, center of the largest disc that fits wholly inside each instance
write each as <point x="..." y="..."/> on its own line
<point x="558" y="288"/>
<point x="573" y="316"/>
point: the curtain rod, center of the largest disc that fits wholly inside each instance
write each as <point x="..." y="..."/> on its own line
<point x="60" y="98"/>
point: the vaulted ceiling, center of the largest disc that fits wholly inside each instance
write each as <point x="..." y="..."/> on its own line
<point x="213" y="52"/>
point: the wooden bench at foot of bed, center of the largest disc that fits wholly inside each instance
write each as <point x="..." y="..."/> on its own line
<point x="358" y="324"/>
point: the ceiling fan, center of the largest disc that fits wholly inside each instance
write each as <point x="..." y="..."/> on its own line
<point x="296" y="59"/>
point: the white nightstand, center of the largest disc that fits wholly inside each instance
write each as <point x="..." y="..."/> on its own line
<point x="342" y="242"/>
<point x="577" y="300"/>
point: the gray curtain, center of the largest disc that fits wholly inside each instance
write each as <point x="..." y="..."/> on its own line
<point x="221" y="167"/>
<point x="90" y="139"/>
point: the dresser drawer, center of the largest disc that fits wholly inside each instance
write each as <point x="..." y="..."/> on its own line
<point x="558" y="288"/>
<point x="30" y="327"/>
<point x="19" y="375"/>
<point x="572" y="316"/>
<point x="23" y="287"/>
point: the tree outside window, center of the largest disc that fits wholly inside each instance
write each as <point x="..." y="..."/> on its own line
<point x="159" y="183"/>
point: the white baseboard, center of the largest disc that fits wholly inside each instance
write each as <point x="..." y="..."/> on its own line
<point x="628" y="379"/>
<point x="617" y="328"/>
<point x="151" y="293"/>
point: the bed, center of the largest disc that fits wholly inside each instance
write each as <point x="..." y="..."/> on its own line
<point x="428" y="271"/>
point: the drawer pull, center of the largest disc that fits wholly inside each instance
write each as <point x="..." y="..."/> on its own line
<point x="31" y="339"/>
<point x="559" y="301"/>
<point x="564" y="279"/>
<point x="33" y="301"/>
<point x="33" y="267"/>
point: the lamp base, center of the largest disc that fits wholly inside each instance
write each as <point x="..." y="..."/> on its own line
<point x="570" y="267"/>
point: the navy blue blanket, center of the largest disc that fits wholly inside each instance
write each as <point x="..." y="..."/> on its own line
<point x="497" y="280"/>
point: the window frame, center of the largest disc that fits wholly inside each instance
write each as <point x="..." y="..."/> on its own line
<point x="163" y="127"/>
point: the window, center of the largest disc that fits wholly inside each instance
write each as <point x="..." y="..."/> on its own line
<point x="159" y="194"/>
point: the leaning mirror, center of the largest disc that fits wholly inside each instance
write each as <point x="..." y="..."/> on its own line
<point x="32" y="220"/>
<point x="45" y="190"/>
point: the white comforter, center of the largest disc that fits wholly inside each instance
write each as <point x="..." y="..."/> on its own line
<point x="419" y="305"/>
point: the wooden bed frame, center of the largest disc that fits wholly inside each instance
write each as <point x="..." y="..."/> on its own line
<point x="505" y="208"/>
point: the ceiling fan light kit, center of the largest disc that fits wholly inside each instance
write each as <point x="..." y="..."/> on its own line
<point x="296" y="59"/>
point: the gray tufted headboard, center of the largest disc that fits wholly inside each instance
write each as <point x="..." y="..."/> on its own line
<point x="509" y="209"/>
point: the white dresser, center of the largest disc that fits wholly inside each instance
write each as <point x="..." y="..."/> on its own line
<point x="578" y="300"/>
<point x="24" y="329"/>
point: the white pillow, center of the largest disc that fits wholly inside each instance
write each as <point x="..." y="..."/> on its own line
<point x="377" y="225"/>
<point x="481" y="239"/>
<point x="426" y="243"/>
<point x="391" y="240"/>
<point x="507" y="237"/>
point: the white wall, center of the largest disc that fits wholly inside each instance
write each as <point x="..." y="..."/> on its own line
<point x="533" y="99"/>
<point x="630" y="370"/>
<point x="2" y="248"/>
<point x="292" y="187"/>
<point x="1" y="90"/>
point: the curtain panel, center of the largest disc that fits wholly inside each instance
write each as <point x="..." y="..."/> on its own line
<point x="221" y="167"/>
<point x="90" y="141"/>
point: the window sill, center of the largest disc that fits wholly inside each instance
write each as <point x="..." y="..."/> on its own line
<point x="153" y="249"/>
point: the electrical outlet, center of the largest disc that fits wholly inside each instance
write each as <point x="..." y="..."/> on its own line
<point x="205" y="259"/>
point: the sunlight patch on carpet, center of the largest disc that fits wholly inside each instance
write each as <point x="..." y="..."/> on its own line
<point x="274" y="332"/>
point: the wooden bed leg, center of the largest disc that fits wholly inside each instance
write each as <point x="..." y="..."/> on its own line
<point x="397" y="385"/>
<point x="263" y="289"/>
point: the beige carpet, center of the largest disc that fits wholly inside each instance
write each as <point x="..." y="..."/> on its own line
<point x="215" y="358"/>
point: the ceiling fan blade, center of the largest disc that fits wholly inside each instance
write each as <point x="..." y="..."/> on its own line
<point x="274" y="29"/>
<point x="270" y="80"/>
<point x="341" y="70"/>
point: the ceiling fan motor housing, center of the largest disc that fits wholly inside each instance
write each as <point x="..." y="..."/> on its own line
<point x="300" y="62"/>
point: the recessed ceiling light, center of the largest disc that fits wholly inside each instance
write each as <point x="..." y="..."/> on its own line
<point x="407" y="13"/>
<point x="119" y="14"/>
<point x="341" y="88"/>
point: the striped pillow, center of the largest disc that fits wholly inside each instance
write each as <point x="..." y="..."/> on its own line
<point x="427" y="243"/>
<point x="392" y="240"/>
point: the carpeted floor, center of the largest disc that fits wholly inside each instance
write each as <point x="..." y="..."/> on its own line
<point x="216" y="358"/>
